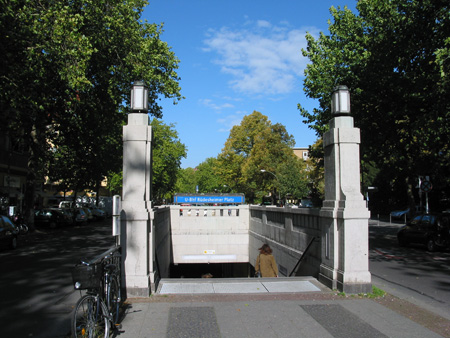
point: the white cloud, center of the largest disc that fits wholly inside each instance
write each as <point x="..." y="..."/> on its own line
<point x="261" y="59"/>
<point x="230" y="121"/>
<point x="210" y="104"/>
<point x="264" y="24"/>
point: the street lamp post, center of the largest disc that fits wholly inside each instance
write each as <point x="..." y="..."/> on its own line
<point x="265" y="171"/>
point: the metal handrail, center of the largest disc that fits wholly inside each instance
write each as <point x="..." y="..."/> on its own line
<point x="301" y="257"/>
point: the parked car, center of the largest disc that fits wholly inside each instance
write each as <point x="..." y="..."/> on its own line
<point x="98" y="213"/>
<point x="80" y="216"/>
<point x="8" y="233"/>
<point x="400" y="214"/>
<point x="88" y="212"/>
<point x="65" y="216"/>
<point x="67" y="204"/>
<point x="68" y="214"/>
<point x="306" y="203"/>
<point x="431" y="230"/>
<point x="47" y="217"/>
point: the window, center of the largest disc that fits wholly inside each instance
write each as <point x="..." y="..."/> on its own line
<point x="428" y="219"/>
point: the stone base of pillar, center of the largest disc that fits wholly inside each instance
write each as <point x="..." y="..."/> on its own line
<point x="354" y="281"/>
<point x="327" y="277"/>
<point x="138" y="289"/>
<point x="138" y="292"/>
<point x="138" y="286"/>
<point x="351" y="288"/>
<point x="354" y="288"/>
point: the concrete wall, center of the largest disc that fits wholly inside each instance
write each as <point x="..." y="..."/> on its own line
<point x="234" y="234"/>
<point x="288" y="232"/>
<point x="210" y="234"/>
<point x="163" y="242"/>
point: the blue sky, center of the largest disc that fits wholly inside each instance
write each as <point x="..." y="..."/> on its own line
<point x="237" y="57"/>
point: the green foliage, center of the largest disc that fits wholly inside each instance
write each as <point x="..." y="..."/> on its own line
<point x="206" y="176"/>
<point x="167" y="154"/>
<point x="316" y="174"/>
<point x="293" y="177"/>
<point x="114" y="184"/>
<point x="376" y="293"/>
<point x="65" y="74"/>
<point x="254" y="145"/>
<point x="394" y="58"/>
<point x="186" y="181"/>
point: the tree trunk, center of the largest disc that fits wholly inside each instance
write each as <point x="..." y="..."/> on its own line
<point x="410" y="196"/>
<point x="30" y="184"/>
<point x="97" y="193"/>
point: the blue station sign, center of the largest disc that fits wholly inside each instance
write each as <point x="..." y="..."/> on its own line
<point x="208" y="199"/>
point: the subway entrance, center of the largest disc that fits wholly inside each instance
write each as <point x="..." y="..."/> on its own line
<point x="211" y="270"/>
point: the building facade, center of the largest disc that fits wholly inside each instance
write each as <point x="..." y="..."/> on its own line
<point x="13" y="173"/>
<point x="302" y="153"/>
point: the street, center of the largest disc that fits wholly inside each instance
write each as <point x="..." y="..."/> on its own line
<point x="36" y="281"/>
<point x="412" y="271"/>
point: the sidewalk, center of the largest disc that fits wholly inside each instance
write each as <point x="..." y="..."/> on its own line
<point x="311" y="311"/>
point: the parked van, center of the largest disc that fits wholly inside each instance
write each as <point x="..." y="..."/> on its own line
<point x="67" y="204"/>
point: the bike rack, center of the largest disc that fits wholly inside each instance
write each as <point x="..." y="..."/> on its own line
<point x="111" y="256"/>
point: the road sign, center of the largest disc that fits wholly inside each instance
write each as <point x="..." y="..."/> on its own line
<point x="426" y="186"/>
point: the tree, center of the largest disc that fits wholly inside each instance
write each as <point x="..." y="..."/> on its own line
<point x="167" y="154"/>
<point x="206" y="176"/>
<point x="293" y="177"/>
<point x="254" y="145"/>
<point x="236" y="152"/>
<point x="393" y="57"/>
<point x="115" y="182"/>
<point x="66" y="69"/>
<point x="316" y="172"/>
<point x="186" y="181"/>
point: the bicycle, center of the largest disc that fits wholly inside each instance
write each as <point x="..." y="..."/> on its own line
<point x="97" y="311"/>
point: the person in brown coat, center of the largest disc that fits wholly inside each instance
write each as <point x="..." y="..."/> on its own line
<point x="265" y="263"/>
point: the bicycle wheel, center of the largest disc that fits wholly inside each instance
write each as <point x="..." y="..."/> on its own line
<point x="90" y="318"/>
<point x="113" y="298"/>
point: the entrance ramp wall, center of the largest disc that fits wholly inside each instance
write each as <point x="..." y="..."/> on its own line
<point x="161" y="241"/>
<point x="288" y="231"/>
<point x="233" y="234"/>
<point x="210" y="234"/>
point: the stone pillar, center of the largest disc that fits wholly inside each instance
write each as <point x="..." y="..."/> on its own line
<point x="344" y="215"/>
<point x="136" y="212"/>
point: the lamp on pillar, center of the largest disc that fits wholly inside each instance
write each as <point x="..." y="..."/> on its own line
<point x="340" y="101"/>
<point x="344" y="215"/>
<point x="139" y="97"/>
<point x="137" y="216"/>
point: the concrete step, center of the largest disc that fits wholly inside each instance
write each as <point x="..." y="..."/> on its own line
<point x="240" y="285"/>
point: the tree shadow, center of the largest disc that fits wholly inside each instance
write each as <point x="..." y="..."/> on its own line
<point x="36" y="281"/>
